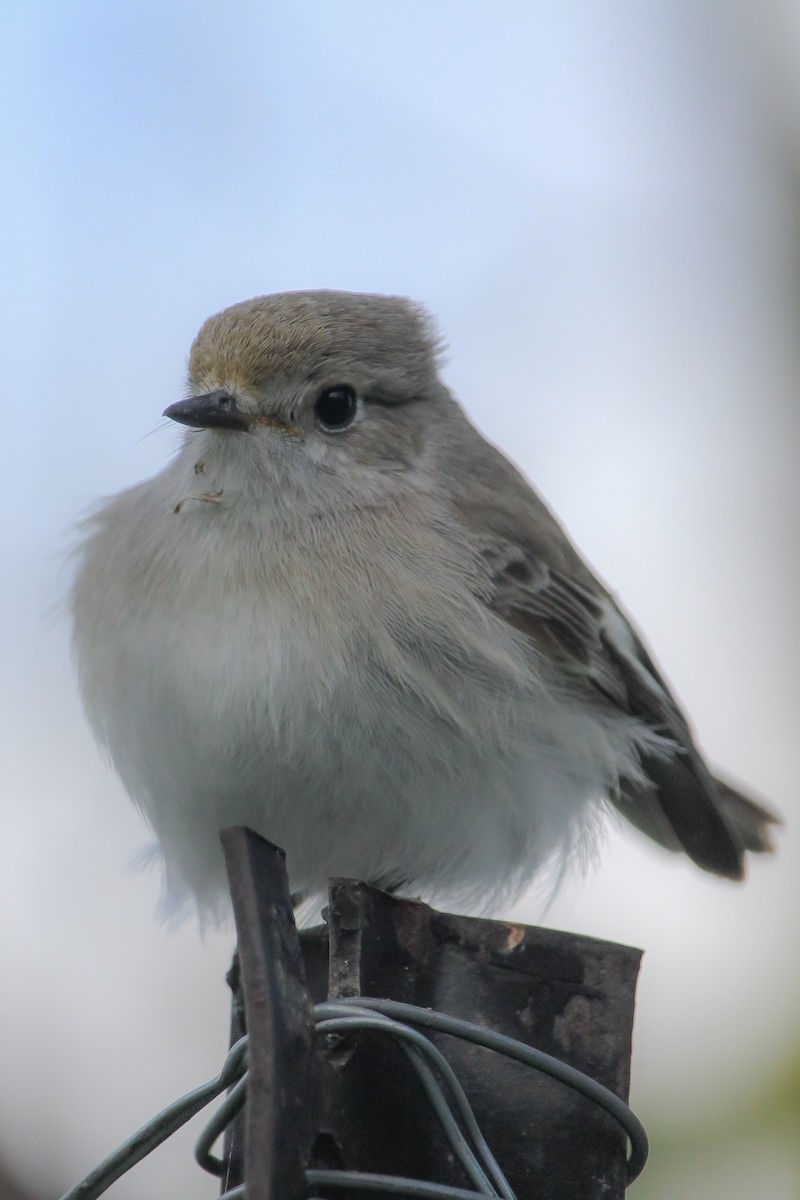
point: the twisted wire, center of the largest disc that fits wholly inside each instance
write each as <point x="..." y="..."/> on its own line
<point x="438" y="1081"/>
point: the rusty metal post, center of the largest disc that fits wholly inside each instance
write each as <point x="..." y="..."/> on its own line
<point x="278" y="1121"/>
<point x="356" y="1104"/>
<point x="571" y="996"/>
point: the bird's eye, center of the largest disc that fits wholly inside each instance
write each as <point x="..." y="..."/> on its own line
<point x="336" y="407"/>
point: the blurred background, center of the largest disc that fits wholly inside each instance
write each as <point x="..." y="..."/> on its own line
<point x="601" y="204"/>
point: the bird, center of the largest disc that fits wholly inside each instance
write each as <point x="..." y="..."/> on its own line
<point x="341" y="617"/>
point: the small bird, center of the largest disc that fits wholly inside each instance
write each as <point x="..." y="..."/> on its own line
<point x="341" y="617"/>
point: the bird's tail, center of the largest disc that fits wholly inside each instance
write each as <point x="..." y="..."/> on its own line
<point x="683" y="807"/>
<point x="751" y="822"/>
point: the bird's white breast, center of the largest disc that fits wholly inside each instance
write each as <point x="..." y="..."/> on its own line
<point x="340" y="690"/>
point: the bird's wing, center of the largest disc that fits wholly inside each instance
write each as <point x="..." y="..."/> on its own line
<point x="542" y="587"/>
<point x="584" y="632"/>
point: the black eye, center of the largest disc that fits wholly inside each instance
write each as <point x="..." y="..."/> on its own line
<point x="336" y="407"/>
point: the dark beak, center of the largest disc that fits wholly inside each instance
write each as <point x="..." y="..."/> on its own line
<point x="215" y="410"/>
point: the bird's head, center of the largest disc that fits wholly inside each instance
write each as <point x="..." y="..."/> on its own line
<point x="332" y="380"/>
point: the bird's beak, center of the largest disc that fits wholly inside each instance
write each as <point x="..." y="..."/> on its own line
<point x="219" y="410"/>
<point x="214" y="410"/>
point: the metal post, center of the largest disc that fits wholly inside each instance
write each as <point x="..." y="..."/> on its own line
<point x="279" y="1118"/>
<point x="356" y="1103"/>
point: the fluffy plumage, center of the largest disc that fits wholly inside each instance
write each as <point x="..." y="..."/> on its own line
<point x="371" y="642"/>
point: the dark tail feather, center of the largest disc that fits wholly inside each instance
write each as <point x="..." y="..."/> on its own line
<point x="702" y="830"/>
<point x="753" y="823"/>
<point x="687" y="809"/>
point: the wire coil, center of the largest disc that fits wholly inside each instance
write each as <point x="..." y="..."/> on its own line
<point x="437" y="1079"/>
